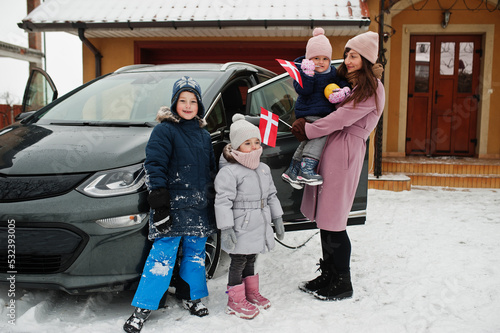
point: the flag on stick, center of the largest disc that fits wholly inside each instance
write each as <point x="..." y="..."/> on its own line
<point x="268" y="127"/>
<point x="291" y="69"/>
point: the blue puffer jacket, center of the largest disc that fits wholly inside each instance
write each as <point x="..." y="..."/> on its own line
<point x="311" y="100"/>
<point x="180" y="158"/>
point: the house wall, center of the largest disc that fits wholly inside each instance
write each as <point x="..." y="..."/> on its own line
<point x="407" y="22"/>
<point x="118" y="52"/>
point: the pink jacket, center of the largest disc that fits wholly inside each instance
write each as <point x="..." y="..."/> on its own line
<point x="342" y="159"/>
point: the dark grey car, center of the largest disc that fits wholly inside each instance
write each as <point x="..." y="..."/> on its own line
<point x="73" y="209"/>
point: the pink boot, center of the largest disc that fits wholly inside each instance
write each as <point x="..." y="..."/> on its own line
<point x="237" y="303"/>
<point x="252" y="292"/>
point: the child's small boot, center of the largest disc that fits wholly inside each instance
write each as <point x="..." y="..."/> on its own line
<point x="135" y="322"/>
<point x="237" y="303"/>
<point x="290" y="175"/>
<point x="307" y="175"/>
<point x="195" y="307"/>
<point x="252" y="292"/>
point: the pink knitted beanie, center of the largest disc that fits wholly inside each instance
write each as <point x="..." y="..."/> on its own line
<point x="318" y="45"/>
<point x="365" y="44"/>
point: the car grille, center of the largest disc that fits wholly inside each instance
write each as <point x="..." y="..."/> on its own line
<point x="36" y="187"/>
<point x="46" y="248"/>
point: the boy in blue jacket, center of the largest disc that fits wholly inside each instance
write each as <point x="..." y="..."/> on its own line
<point x="180" y="169"/>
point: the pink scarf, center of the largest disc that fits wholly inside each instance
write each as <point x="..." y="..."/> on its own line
<point x="251" y="160"/>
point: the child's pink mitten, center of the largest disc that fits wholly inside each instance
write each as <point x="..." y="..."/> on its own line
<point x="308" y="67"/>
<point x="339" y="95"/>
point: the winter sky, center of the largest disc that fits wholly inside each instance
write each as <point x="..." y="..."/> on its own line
<point x="63" y="54"/>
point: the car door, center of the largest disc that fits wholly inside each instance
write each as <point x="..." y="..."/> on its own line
<point x="278" y="96"/>
<point x="40" y="91"/>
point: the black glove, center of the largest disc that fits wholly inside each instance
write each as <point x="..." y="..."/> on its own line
<point x="159" y="201"/>
<point x="299" y="129"/>
<point x="161" y="219"/>
<point x="159" y="198"/>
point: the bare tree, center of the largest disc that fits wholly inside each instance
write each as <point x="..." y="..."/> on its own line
<point x="9" y="98"/>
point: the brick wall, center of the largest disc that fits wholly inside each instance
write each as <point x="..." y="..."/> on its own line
<point x="8" y="113"/>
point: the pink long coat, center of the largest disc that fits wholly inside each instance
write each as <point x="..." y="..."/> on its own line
<point x="342" y="159"/>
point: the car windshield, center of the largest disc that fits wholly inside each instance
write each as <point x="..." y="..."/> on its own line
<point x="121" y="98"/>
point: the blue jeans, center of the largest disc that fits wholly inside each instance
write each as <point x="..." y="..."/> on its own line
<point x="159" y="267"/>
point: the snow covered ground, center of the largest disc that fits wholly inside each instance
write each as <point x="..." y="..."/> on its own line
<point x="427" y="260"/>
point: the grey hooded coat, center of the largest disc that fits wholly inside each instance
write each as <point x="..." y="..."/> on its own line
<point x="246" y="201"/>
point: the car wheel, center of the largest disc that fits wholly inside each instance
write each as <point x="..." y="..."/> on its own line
<point x="212" y="253"/>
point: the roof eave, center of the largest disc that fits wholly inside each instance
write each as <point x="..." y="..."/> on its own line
<point x="127" y="28"/>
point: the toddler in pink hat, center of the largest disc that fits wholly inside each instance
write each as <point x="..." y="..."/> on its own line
<point x="316" y="72"/>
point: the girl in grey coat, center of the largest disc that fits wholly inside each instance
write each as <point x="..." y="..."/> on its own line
<point x="245" y="206"/>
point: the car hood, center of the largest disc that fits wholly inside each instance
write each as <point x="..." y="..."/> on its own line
<point x="53" y="149"/>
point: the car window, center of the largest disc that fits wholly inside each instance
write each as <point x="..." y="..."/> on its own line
<point x="216" y="119"/>
<point x="135" y="97"/>
<point x="261" y="77"/>
<point x="40" y="91"/>
<point x="276" y="95"/>
<point x="233" y="99"/>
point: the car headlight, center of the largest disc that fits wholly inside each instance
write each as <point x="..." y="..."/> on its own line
<point x="114" y="182"/>
<point x="121" y="221"/>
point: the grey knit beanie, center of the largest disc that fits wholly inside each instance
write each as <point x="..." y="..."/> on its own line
<point x="242" y="130"/>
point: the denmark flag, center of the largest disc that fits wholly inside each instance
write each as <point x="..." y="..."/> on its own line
<point x="291" y="69"/>
<point x="268" y="127"/>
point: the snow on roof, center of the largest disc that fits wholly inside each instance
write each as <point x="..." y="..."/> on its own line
<point x="150" y="18"/>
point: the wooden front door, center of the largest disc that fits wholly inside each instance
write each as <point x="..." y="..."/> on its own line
<point x="443" y="95"/>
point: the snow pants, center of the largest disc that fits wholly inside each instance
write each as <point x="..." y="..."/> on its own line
<point x="310" y="148"/>
<point x="159" y="267"/>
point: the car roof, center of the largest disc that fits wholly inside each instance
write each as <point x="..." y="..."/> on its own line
<point x="215" y="67"/>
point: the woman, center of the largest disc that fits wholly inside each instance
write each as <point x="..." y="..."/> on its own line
<point x="341" y="162"/>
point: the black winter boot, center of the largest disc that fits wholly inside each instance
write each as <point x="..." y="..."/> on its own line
<point x="195" y="307"/>
<point x="136" y="320"/>
<point x="319" y="282"/>
<point x="339" y="288"/>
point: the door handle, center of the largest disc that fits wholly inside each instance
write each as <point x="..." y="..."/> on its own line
<point x="436" y="95"/>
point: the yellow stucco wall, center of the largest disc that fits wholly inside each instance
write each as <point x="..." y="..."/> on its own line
<point x="117" y="52"/>
<point x="406" y="21"/>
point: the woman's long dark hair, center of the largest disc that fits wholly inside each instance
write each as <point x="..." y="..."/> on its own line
<point x="364" y="80"/>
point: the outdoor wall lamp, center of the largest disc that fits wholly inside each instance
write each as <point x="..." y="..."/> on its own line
<point x="446" y="18"/>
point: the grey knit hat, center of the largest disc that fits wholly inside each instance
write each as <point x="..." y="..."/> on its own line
<point x="242" y="130"/>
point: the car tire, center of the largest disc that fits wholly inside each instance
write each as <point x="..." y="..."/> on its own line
<point x="212" y="253"/>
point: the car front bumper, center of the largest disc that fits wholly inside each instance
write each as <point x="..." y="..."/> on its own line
<point x="66" y="249"/>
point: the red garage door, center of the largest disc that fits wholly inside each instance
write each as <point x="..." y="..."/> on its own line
<point x="259" y="53"/>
